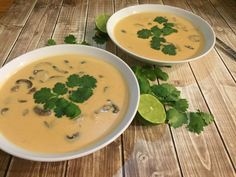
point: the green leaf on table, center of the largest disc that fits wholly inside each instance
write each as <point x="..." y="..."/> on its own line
<point x="70" y="39"/>
<point x="175" y="118"/>
<point x="51" y="42"/>
<point x="180" y="105"/>
<point x="161" y="74"/>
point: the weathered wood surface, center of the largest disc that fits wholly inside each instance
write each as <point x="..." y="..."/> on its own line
<point x="208" y="84"/>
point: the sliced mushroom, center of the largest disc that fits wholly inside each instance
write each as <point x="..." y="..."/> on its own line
<point x="83" y="62"/>
<point x="15" y="88"/>
<point x="22" y="101"/>
<point x="123" y="31"/>
<point x="4" y="110"/>
<point x="25" y="112"/>
<point x="32" y="90"/>
<point x="105" y="88"/>
<point x="59" y="70"/>
<point x="73" y="137"/>
<point x="41" y="112"/>
<point x="36" y="71"/>
<point x="48" y="124"/>
<point x="26" y="82"/>
<point x="194" y="38"/>
<point x="42" y="76"/>
<point x="189" y="47"/>
<point x="115" y="109"/>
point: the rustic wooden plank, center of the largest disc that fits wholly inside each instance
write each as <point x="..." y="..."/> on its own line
<point x="72" y="20"/>
<point x="148" y="150"/>
<point x="107" y="161"/>
<point x="4" y="161"/>
<point x="218" y="89"/>
<point x="5" y="5"/>
<point x="222" y="29"/>
<point x="204" y="154"/>
<point x="38" y="28"/>
<point x="11" y="25"/>
<point x="227" y="11"/>
<point x="36" y="31"/>
<point x="26" y="168"/>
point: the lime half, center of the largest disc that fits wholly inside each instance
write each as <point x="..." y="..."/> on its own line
<point x="151" y="109"/>
<point x="101" y="22"/>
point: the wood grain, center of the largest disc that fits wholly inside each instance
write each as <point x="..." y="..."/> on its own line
<point x="39" y="27"/>
<point x="148" y="150"/>
<point x="11" y="25"/>
<point x="222" y="29"/>
<point x="37" y="30"/>
<point x="227" y="11"/>
<point x="72" y="20"/>
<point x="26" y="168"/>
<point x="100" y="163"/>
<point x="5" y="5"/>
<point x="218" y="89"/>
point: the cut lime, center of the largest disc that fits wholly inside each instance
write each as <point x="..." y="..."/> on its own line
<point x="101" y="22"/>
<point x="151" y="109"/>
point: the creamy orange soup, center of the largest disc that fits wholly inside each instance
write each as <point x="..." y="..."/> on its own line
<point x="23" y="122"/>
<point x="188" y="39"/>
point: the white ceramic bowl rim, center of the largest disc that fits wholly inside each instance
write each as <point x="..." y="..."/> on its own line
<point x="37" y="54"/>
<point x="199" y="23"/>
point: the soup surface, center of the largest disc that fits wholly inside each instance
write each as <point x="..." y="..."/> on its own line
<point x="146" y="34"/>
<point x="28" y="125"/>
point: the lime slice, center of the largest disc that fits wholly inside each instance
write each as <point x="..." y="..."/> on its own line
<point x="101" y="22"/>
<point x="151" y="109"/>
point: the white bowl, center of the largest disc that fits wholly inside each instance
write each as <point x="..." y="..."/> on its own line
<point x="100" y="54"/>
<point x="201" y="24"/>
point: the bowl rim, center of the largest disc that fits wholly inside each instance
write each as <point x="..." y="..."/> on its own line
<point x="110" y="28"/>
<point x="127" y="73"/>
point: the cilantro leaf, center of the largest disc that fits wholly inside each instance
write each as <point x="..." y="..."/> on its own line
<point x="166" y="93"/>
<point x="73" y="80"/>
<point x="70" y="39"/>
<point x="51" y="42"/>
<point x="169" y="49"/>
<point x="60" y="88"/>
<point x="144" y="33"/>
<point x="161" y="74"/>
<point x="43" y="95"/>
<point x="100" y="37"/>
<point x="196" y="123"/>
<point x="81" y="95"/>
<point x="160" y="20"/>
<point x="84" y="43"/>
<point x="72" y="110"/>
<point x="156" y="42"/>
<point x="144" y="85"/>
<point x="87" y="81"/>
<point x="167" y="30"/>
<point x="175" y="118"/>
<point x="50" y="104"/>
<point x="170" y="25"/>
<point x="156" y="31"/>
<point x="181" y="105"/>
<point x="208" y="118"/>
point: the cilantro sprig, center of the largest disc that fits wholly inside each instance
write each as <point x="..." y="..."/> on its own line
<point x="177" y="113"/>
<point x="158" y="41"/>
<point x="63" y="97"/>
<point x="70" y="39"/>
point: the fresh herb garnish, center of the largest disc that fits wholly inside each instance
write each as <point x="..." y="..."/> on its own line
<point x="158" y="41"/>
<point x="177" y="113"/>
<point x="100" y="37"/>
<point x="70" y="39"/>
<point x="51" y="42"/>
<point x="63" y="96"/>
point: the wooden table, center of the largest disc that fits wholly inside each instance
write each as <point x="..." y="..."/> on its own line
<point x="145" y="151"/>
